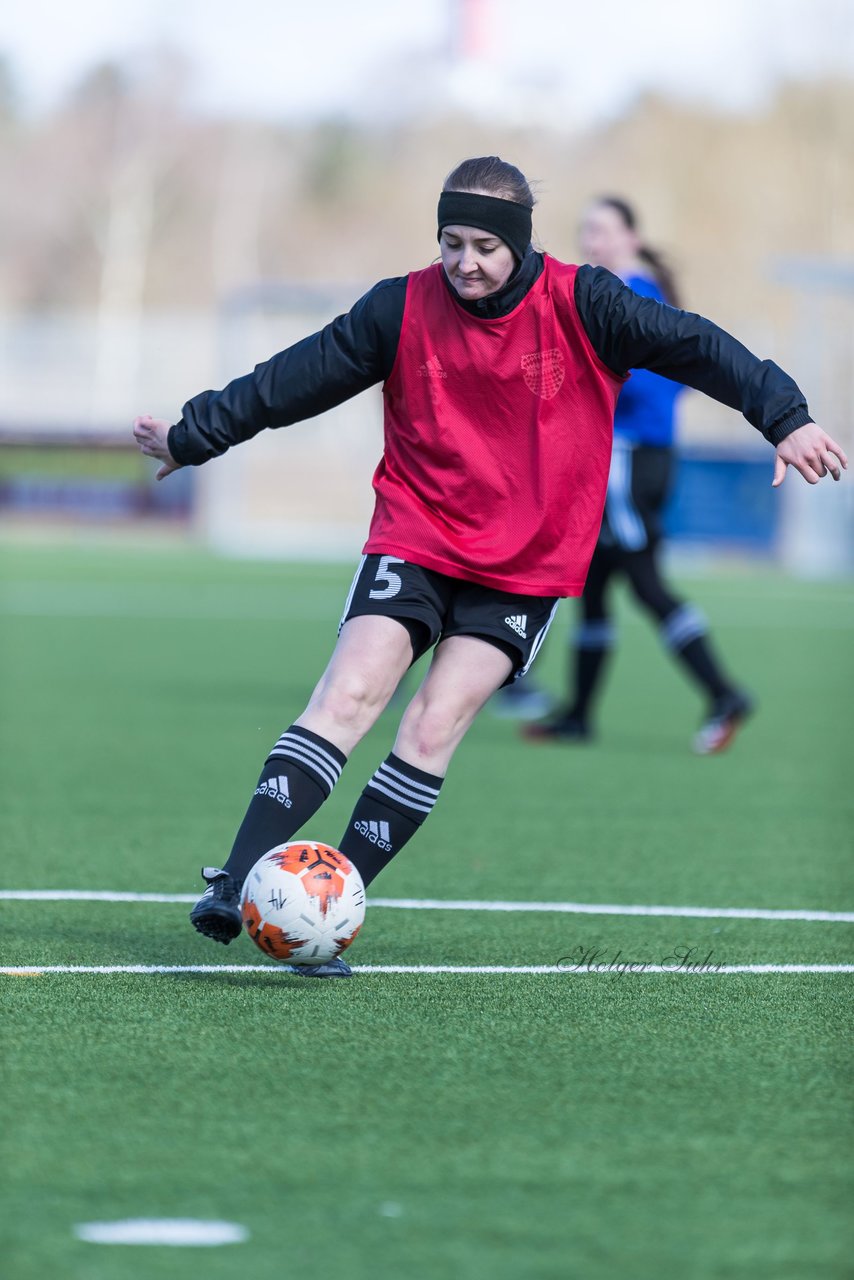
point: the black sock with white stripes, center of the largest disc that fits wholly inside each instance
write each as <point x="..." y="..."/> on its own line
<point x="684" y="633"/>
<point x="390" y="810"/>
<point x="297" y="777"/>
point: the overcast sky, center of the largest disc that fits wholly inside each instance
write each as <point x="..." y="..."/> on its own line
<point x="291" y="58"/>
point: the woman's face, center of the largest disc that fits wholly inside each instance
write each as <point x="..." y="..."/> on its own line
<point x="605" y="239"/>
<point x="476" y="262"/>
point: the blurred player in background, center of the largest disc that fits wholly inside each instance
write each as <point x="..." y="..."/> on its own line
<point x="642" y="467"/>
<point x="501" y="368"/>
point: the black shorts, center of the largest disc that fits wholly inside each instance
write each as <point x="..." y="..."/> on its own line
<point x="433" y="606"/>
<point x="638" y="489"/>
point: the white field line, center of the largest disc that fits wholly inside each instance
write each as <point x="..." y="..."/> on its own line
<point x="442" y="904"/>
<point x="612" y="909"/>
<point x="566" y="970"/>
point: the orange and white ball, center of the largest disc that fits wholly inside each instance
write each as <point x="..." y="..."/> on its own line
<point x="303" y="902"/>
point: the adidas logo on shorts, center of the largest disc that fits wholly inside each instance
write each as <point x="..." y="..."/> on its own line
<point x="518" y="623"/>
<point x="276" y="789"/>
<point x="376" y="832"/>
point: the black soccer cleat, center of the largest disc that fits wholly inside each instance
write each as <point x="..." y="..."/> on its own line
<point x="336" y="968"/>
<point x="217" y="913"/>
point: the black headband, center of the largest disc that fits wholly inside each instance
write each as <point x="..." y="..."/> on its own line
<point x="510" y="221"/>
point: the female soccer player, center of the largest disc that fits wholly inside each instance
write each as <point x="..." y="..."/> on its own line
<point x="642" y="465"/>
<point x="501" y="368"/>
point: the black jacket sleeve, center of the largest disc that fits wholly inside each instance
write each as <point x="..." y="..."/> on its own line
<point x="631" y="332"/>
<point x="350" y="354"/>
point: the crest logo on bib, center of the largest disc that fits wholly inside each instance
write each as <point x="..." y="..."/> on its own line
<point x="544" y="372"/>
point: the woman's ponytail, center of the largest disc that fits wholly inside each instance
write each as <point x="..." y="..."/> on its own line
<point x="656" y="261"/>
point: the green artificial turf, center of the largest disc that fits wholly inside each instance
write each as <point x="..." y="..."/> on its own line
<point x="418" y="1125"/>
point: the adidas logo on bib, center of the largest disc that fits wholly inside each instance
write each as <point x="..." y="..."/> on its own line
<point x="518" y="623"/>
<point x="276" y="789"/>
<point x="432" y="369"/>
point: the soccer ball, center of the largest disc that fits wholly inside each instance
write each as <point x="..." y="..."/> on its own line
<point x="303" y="902"/>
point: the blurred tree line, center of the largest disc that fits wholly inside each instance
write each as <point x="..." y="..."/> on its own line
<point x="124" y="198"/>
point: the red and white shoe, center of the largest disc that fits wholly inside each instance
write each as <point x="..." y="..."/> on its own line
<point x="726" y="717"/>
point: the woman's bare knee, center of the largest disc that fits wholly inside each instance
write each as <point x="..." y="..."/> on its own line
<point x="349" y="702"/>
<point x="430" y="733"/>
<point x="351" y="697"/>
<point x="371" y="655"/>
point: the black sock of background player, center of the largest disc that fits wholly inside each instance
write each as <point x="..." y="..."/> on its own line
<point x="593" y="642"/>
<point x="698" y="658"/>
<point x="684" y="633"/>
<point x="389" y="811"/>
<point x="589" y="665"/>
<point x="297" y="777"/>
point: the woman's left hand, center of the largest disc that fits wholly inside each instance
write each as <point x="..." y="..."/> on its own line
<point x="810" y="451"/>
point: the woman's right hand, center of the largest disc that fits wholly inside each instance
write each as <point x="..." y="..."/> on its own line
<point x="151" y="435"/>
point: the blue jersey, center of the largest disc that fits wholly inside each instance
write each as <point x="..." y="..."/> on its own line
<point x="645" y="409"/>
